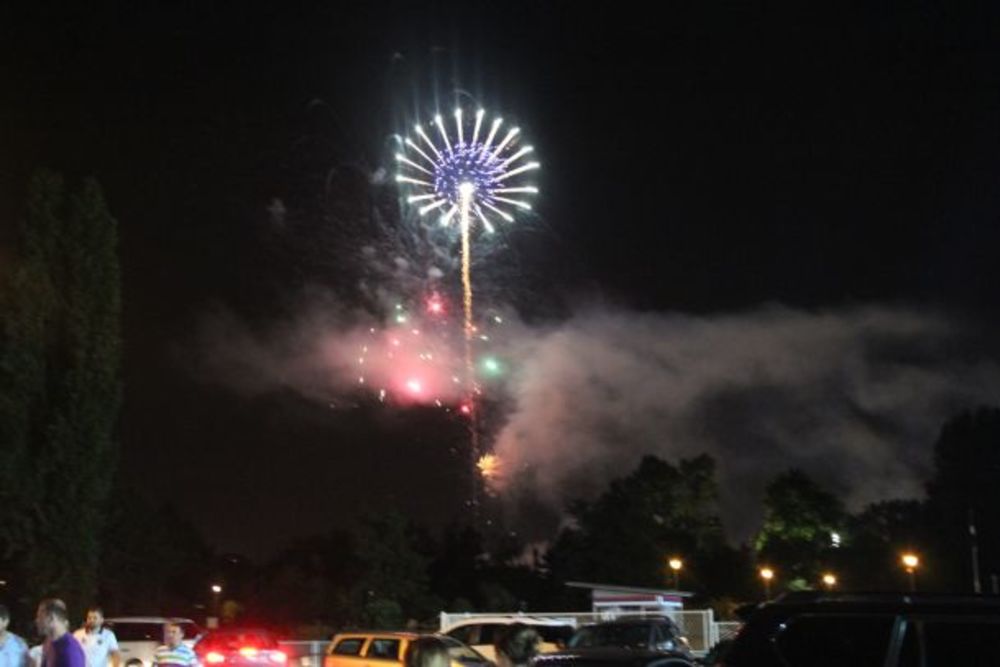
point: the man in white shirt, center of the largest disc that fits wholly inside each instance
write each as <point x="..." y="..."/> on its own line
<point x="13" y="650"/>
<point x="99" y="643"/>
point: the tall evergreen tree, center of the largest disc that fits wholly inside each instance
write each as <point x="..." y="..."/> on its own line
<point x="60" y="387"/>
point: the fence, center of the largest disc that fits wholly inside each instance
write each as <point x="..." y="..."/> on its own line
<point x="697" y="625"/>
<point x="304" y="653"/>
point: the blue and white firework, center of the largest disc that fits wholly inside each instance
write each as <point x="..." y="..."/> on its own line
<point x="467" y="169"/>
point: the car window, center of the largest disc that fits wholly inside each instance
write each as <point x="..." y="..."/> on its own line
<point x="191" y="630"/>
<point x="835" y="641"/>
<point x="140" y="632"/>
<point x="229" y="640"/>
<point x="554" y="634"/>
<point x="960" y="641"/>
<point x="461" y="652"/>
<point x="349" y="646"/>
<point x="467" y="634"/>
<point x="383" y="648"/>
<point x="621" y="635"/>
<point x="488" y="633"/>
<point x="909" y="651"/>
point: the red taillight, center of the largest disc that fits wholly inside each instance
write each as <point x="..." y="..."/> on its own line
<point x="214" y="657"/>
<point x="279" y="657"/>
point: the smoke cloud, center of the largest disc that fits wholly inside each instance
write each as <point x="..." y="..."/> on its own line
<point x="854" y="396"/>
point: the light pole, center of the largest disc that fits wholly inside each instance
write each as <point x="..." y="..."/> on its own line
<point x="910" y="563"/>
<point x="829" y="580"/>
<point x="216" y="593"/>
<point x="767" y="574"/>
<point x="676" y="564"/>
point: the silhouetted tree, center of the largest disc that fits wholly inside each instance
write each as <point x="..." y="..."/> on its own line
<point x="60" y="358"/>
<point x="800" y="518"/>
<point x="962" y="491"/>
<point x="626" y="535"/>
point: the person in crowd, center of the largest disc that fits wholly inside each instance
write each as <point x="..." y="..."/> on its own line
<point x="99" y="643"/>
<point x="13" y="650"/>
<point x="427" y="652"/>
<point x="174" y="652"/>
<point x="516" y="645"/>
<point x="60" y="649"/>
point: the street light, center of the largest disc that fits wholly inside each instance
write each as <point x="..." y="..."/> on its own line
<point x="767" y="574"/>
<point x="216" y="594"/>
<point x="676" y="564"/>
<point x="829" y="580"/>
<point x="910" y="563"/>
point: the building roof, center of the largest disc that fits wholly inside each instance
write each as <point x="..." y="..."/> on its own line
<point x="628" y="590"/>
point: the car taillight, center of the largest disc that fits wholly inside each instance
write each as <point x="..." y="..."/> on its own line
<point x="279" y="657"/>
<point x="214" y="657"/>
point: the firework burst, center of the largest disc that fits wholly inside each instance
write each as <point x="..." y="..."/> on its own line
<point x="474" y="167"/>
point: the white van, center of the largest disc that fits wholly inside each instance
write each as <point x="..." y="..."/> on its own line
<point x="480" y="632"/>
<point x="138" y="636"/>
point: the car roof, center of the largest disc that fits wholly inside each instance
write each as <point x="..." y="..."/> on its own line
<point x="148" y="619"/>
<point x="596" y="654"/>
<point x="814" y="601"/>
<point x="508" y="620"/>
<point x="239" y="629"/>
<point x="628" y="621"/>
<point x="378" y="633"/>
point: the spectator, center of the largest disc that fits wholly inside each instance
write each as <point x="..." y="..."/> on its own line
<point x="61" y="649"/>
<point x="99" y="643"/>
<point x="13" y="650"/>
<point x="173" y="652"/>
<point x="516" y="645"/>
<point x="427" y="652"/>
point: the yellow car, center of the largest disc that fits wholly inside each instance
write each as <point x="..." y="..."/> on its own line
<point x="382" y="649"/>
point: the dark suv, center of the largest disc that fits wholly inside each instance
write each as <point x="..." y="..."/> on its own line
<point x="650" y="634"/>
<point x="877" y="630"/>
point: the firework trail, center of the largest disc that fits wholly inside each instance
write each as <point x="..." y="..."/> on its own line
<point x="465" y="177"/>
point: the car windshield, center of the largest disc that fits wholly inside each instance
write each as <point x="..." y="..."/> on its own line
<point x="622" y="635"/>
<point x="460" y="652"/>
<point x="146" y="631"/>
<point x="234" y="640"/>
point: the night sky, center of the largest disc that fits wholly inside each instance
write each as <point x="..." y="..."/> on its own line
<point x="702" y="159"/>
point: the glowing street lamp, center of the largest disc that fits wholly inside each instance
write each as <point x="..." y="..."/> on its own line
<point x="676" y="564"/>
<point x="829" y="580"/>
<point x="216" y="593"/>
<point x="767" y="574"/>
<point x="910" y="563"/>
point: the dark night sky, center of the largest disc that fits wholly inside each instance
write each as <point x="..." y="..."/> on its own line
<point x="699" y="158"/>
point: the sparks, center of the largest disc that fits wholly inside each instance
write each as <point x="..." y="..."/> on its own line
<point x="489" y="466"/>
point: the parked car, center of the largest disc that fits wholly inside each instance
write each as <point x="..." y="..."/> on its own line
<point x="887" y="630"/>
<point x="138" y="636"/>
<point x="240" y="647"/>
<point x="480" y="632"/>
<point x="594" y="657"/>
<point x="647" y="634"/>
<point x="356" y="649"/>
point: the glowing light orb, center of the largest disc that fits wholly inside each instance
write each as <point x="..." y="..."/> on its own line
<point x="491" y="366"/>
<point x="477" y="166"/>
<point x="435" y="306"/>
<point x="414" y="386"/>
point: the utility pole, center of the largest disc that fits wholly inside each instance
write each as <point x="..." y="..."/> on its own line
<point x="977" y="586"/>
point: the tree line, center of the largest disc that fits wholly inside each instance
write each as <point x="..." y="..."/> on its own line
<point x="66" y="529"/>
